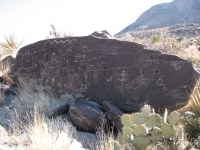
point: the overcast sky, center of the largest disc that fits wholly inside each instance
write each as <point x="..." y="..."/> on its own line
<point x="31" y="19"/>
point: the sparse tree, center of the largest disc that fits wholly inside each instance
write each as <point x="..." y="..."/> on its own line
<point x="58" y="34"/>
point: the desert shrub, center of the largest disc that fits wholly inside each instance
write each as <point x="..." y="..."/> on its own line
<point x="155" y="38"/>
<point x="198" y="39"/>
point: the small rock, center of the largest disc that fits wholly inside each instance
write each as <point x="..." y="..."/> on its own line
<point x="87" y="140"/>
<point x="68" y="98"/>
<point x="8" y="101"/>
<point x="59" y="110"/>
<point x="86" y="115"/>
<point x="114" y="114"/>
<point x="102" y="34"/>
<point x="5" y="117"/>
<point x="10" y="91"/>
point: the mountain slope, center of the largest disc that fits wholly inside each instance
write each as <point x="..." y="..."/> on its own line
<point x="167" y="14"/>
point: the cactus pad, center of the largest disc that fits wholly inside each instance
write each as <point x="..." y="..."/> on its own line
<point x="173" y="118"/>
<point x="140" y="130"/>
<point x="127" y="130"/>
<point x="146" y="111"/>
<point x="141" y="142"/>
<point x="126" y="120"/>
<point x="123" y="138"/>
<point x="156" y="135"/>
<point x="137" y="118"/>
<point x="154" y="120"/>
<point x="128" y="146"/>
<point x="167" y="130"/>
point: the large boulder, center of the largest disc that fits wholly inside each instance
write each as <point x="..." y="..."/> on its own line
<point x="123" y="73"/>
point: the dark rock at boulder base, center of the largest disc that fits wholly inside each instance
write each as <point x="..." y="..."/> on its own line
<point x="114" y="114"/>
<point x="87" y="115"/>
<point x="6" y="119"/>
<point x="58" y="110"/>
<point x="87" y="140"/>
<point x="123" y="73"/>
<point x="10" y="91"/>
<point x="8" y="101"/>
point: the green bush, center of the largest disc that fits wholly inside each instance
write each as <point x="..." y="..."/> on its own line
<point x="155" y="38"/>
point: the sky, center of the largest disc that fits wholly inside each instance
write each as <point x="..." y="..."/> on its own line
<point x="31" y="19"/>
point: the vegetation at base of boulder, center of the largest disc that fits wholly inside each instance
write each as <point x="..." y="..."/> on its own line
<point x="147" y="128"/>
<point x="195" y="99"/>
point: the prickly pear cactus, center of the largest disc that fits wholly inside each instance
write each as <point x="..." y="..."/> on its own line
<point x="140" y="130"/>
<point x="173" y="118"/>
<point x="127" y="130"/>
<point x="146" y="127"/>
<point x="137" y="118"/>
<point x="155" y="135"/>
<point x="141" y="142"/>
<point x="167" y="130"/>
<point x="146" y="111"/>
<point x="126" y="120"/>
<point x="123" y="139"/>
<point x="154" y="120"/>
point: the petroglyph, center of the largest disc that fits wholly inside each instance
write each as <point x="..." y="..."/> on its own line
<point x="79" y="58"/>
<point x="110" y="79"/>
<point x="28" y="60"/>
<point x="176" y="64"/>
<point x="138" y="82"/>
<point x="61" y="41"/>
<point x="83" y="87"/>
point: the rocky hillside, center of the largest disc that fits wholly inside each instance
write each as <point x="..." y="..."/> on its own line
<point x="167" y="14"/>
<point x="187" y="31"/>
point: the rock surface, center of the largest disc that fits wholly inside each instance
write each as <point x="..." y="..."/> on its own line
<point x="58" y="110"/>
<point x="6" y="119"/>
<point x="114" y="114"/>
<point x="87" y="140"/>
<point x="102" y="34"/>
<point x="120" y="72"/>
<point x="167" y="14"/>
<point x="86" y="115"/>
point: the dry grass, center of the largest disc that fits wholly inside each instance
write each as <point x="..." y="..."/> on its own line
<point x="195" y="99"/>
<point x="33" y="131"/>
<point x="29" y="121"/>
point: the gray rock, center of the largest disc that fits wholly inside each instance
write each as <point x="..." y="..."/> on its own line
<point x="114" y="114"/>
<point x="102" y="34"/>
<point x="58" y="110"/>
<point x="87" y="115"/>
<point x="6" y="119"/>
<point x="68" y="98"/>
<point x="87" y="140"/>
<point x="10" y="91"/>
<point x="8" y="101"/>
